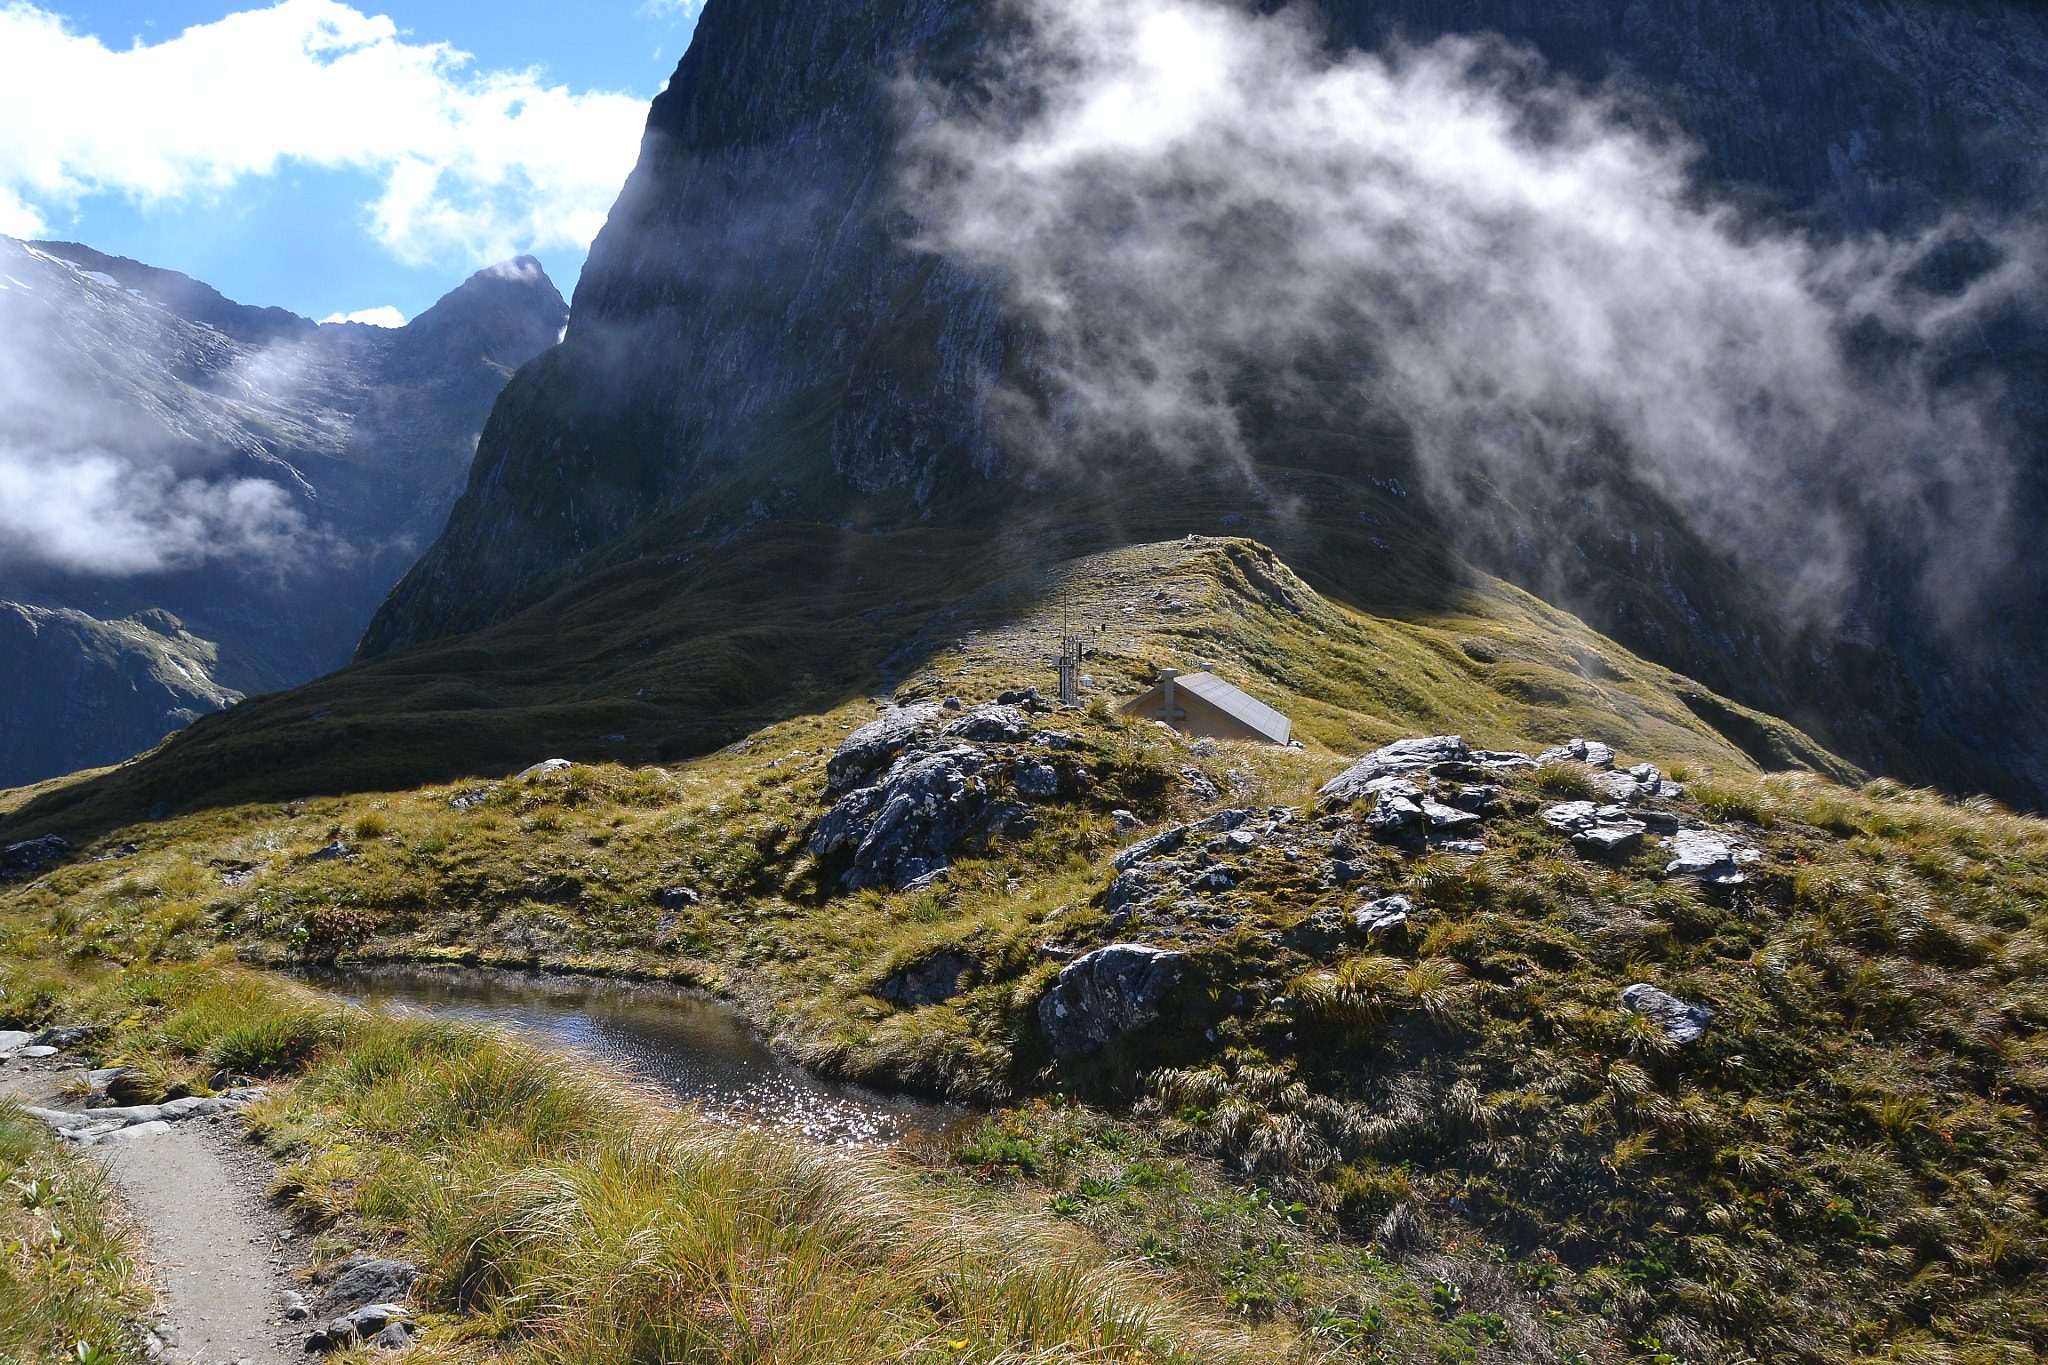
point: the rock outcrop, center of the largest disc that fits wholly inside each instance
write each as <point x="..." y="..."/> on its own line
<point x="1105" y="994"/>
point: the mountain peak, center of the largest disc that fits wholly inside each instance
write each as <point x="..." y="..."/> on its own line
<point x="190" y="299"/>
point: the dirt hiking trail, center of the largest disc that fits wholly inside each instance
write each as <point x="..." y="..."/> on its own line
<point x="221" y="1256"/>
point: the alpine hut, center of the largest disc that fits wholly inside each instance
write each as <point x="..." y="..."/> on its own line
<point x="1204" y="704"/>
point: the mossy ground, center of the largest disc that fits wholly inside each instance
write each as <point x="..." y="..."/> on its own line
<point x="1850" y="1165"/>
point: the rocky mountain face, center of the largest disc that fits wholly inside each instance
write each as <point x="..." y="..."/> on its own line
<point x="758" y="337"/>
<point x="210" y="499"/>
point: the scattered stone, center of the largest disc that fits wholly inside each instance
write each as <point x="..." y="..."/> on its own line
<point x="1394" y="815"/>
<point x="1598" y="831"/>
<point x="542" y="769"/>
<point x="875" y="743"/>
<point x="1040" y="780"/>
<point x="364" y="1280"/>
<point x="1011" y="819"/>
<point x="103" y="1124"/>
<point x="332" y="853"/>
<point x="1159" y="845"/>
<point x="1388" y="912"/>
<point x="471" y="799"/>
<point x="1343" y="871"/>
<point x="952" y="704"/>
<point x="1437" y="755"/>
<point x="372" y="1323"/>
<point x="294" y="1306"/>
<point x="1200" y="785"/>
<point x="394" y="1337"/>
<point x="1478" y="800"/>
<point x="1709" y="857"/>
<point x="1026" y="697"/>
<point x="1462" y="846"/>
<point x="1055" y="741"/>
<point x="1590" y="752"/>
<point x="1126" y="822"/>
<point x="34" y="853"/>
<point x="936" y="979"/>
<point x="1610" y="839"/>
<point x="996" y="724"/>
<point x="1234" y="841"/>
<point x="70" y="1035"/>
<point x="1448" y="819"/>
<point x="13" y="1039"/>
<point x="134" y="1132"/>
<point x="36" y="1053"/>
<point x="1682" y="1020"/>
<point x="1105" y="994"/>
<point x="678" y="898"/>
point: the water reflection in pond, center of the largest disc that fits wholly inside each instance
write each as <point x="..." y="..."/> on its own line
<point x="693" y="1046"/>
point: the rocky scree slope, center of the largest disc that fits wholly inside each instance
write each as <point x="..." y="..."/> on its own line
<point x="753" y="324"/>
<point x="365" y="433"/>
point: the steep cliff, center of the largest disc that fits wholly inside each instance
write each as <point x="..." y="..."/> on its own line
<point x="756" y="330"/>
<point x="250" y="481"/>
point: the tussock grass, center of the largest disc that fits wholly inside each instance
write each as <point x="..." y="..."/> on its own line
<point x="69" y="1282"/>
<point x="566" y="1217"/>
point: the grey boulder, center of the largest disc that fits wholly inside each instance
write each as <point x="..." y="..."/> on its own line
<point x="1169" y="840"/>
<point x="13" y="1039"/>
<point x="1396" y="811"/>
<point x="1388" y="912"/>
<point x="1709" y="857"/>
<point x="1442" y="755"/>
<point x="996" y="724"/>
<point x="1034" y="779"/>
<point x="1105" y="994"/>
<point x="380" y="1324"/>
<point x="1447" y="819"/>
<point x="875" y="743"/>
<point x="1682" y="1020"/>
<point x="362" y="1280"/>
<point x="901" y="828"/>
<point x="34" y="853"/>
<point x="1598" y="831"/>
<point x="542" y="769"/>
<point x="1590" y="752"/>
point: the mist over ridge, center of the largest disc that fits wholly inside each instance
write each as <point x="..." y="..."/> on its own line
<point x="1174" y="192"/>
<point x="1712" y="326"/>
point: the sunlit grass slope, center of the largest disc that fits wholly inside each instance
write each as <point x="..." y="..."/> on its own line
<point x="1849" y="1165"/>
<point x="661" y="658"/>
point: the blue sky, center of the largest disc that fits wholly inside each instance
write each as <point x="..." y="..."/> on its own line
<point x="326" y="157"/>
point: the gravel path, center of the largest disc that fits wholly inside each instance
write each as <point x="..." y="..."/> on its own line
<point x="220" y="1253"/>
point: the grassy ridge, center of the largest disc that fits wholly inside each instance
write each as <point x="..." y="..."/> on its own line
<point x="1849" y="1166"/>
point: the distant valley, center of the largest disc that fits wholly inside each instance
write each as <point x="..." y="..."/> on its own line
<point x="207" y="500"/>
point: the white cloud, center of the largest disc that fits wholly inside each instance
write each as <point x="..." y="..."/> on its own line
<point x="387" y="316"/>
<point x="98" y="512"/>
<point x="1181" y="188"/>
<point x="477" y="165"/>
